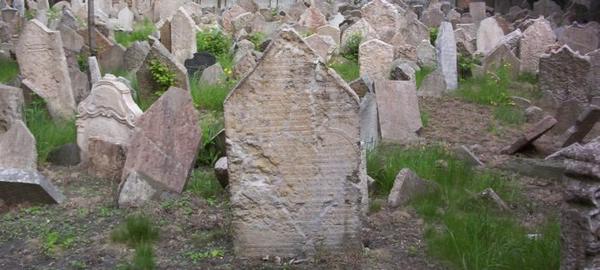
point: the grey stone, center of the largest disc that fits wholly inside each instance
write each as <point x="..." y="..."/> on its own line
<point x="433" y="84"/>
<point x="221" y="172"/>
<point x="65" y="155"/>
<point x="17" y="146"/>
<point x="564" y="74"/>
<point x="402" y="72"/>
<point x="112" y="58"/>
<point x="489" y="35"/>
<point x="584" y="124"/>
<point x="477" y="11"/>
<point x="446" y="53"/>
<point x="408" y="186"/>
<point x="534" y="167"/>
<point x="469" y="157"/>
<point x="594" y="74"/>
<point x="158" y="52"/>
<point x="369" y="121"/>
<point x="94" y="67"/>
<point x="27" y="186"/>
<point x="362" y="86"/>
<point x="134" y="55"/>
<point x="183" y="36"/>
<point x="105" y="158"/>
<point x="398" y="108"/>
<point x="375" y="59"/>
<point x="213" y="74"/>
<point x="534" y="114"/>
<point x="536" y="40"/>
<point x="11" y="106"/>
<point x="426" y="54"/>
<point x="530" y="135"/>
<point x="581" y="38"/>
<point x="502" y="56"/>
<point x="383" y="17"/>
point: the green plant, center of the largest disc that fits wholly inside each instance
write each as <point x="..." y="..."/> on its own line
<point x="491" y="89"/>
<point x="211" y="124"/>
<point x="465" y="65"/>
<point x="421" y="74"/>
<point x="136" y="230"/>
<point x="142" y="260"/>
<point x="141" y="31"/>
<point x="9" y="70"/>
<point x="425" y="118"/>
<point x="210" y="96"/>
<point x="213" y="41"/>
<point x="53" y="14"/>
<point x="82" y="62"/>
<point x="204" y="184"/>
<point x="211" y="254"/>
<point x="350" y="50"/>
<point x="54" y="240"/>
<point x="509" y="114"/>
<point x="433" y="33"/>
<point x="162" y="76"/>
<point x="527" y="77"/>
<point x="257" y="38"/>
<point x="48" y="134"/>
<point x="347" y="69"/>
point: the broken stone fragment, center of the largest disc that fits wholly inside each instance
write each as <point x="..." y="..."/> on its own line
<point x="531" y="135"/>
<point x="408" y="186"/>
<point x="27" y="185"/>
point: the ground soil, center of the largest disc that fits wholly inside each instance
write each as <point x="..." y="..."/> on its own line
<point x="393" y="239"/>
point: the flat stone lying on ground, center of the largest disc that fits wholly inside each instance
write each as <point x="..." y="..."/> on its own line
<point x="27" y="186"/>
<point x="530" y="135"/>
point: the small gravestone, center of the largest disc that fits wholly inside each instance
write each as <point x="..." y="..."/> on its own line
<point x="536" y="40"/>
<point x="294" y="174"/>
<point x="564" y="74"/>
<point x="125" y="17"/>
<point x="581" y="38"/>
<point x="477" y="11"/>
<point x="489" y="35"/>
<point x="426" y="54"/>
<point x="332" y="31"/>
<point x="105" y="158"/>
<point x="369" y="121"/>
<point x="109" y="113"/>
<point x="412" y="34"/>
<point x="183" y="35"/>
<point x="375" y="58"/>
<point x="135" y="55"/>
<point x="11" y="106"/>
<point x="502" y="56"/>
<point x="312" y="19"/>
<point x="383" y="17"/>
<point x="162" y="149"/>
<point x="361" y="28"/>
<point x="433" y="84"/>
<point x="17" y="146"/>
<point x="446" y="55"/>
<point x="159" y="54"/>
<point x="199" y="62"/>
<point x="398" y="109"/>
<point x="43" y="66"/>
<point x="324" y="46"/>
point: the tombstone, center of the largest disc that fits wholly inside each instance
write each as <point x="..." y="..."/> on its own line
<point x="105" y="158"/>
<point x="162" y="150"/>
<point x="375" y="59"/>
<point x="546" y="8"/>
<point x="94" y="68"/>
<point x="312" y="19"/>
<point x="244" y="65"/>
<point x="446" y="55"/>
<point x="164" y="28"/>
<point x="426" y="54"/>
<point x="164" y="9"/>
<point x="581" y="38"/>
<point x="465" y="43"/>
<point x="536" y="40"/>
<point x="489" y="35"/>
<point x="361" y="28"/>
<point x="285" y="189"/>
<point x="135" y="55"/>
<point x="332" y="31"/>
<point x="383" y="17"/>
<point x="229" y="15"/>
<point x="398" y="108"/>
<point x="594" y="75"/>
<point x="213" y="75"/>
<point x="199" y="62"/>
<point x="126" y="19"/>
<point x="11" y="106"/>
<point x="183" y="36"/>
<point x="108" y="113"/>
<point x="44" y="69"/>
<point x="17" y="146"/>
<point x="433" y="16"/>
<point x="563" y="73"/>
<point x="502" y="56"/>
<point x="159" y="53"/>
<point x="412" y="34"/>
<point x="324" y="46"/>
<point x="369" y="121"/>
<point x="433" y="85"/>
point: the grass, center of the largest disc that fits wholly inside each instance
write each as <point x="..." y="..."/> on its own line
<point x="424" y="118"/>
<point x="210" y="96"/>
<point x="48" y="133"/>
<point x="461" y="231"/>
<point x="211" y="124"/>
<point x="421" y="74"/>
<point x="349" y="70"/>
<point x="204" y="184"/>
<point x="509" y="114"/>
<point x="9" y="70"/>
<point x="141" y="31"/>
<point x="137" y="232"/>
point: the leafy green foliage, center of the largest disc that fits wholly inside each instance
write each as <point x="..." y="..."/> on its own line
<point x="350" y="50"/>
<point x="136" y="230"/>
<point x="141" y="31"/>
<point x="465" y="66"/>
<point x="347" y="69"/>
<point x="257" y="38"/>
<point x="53" y="241"/>
<point x="162" y="75"/>
<point x="433" y="33"/>
<point x="421" y="74"/>
<point x="461" y="230"/>
<point x="199" y="256"/>
<point x="213" y="41"/>
<point x="211" y="124"/>
<point x="9" y="70"/>
<point x="204" y="184"/>
<point x="48" y="134"/>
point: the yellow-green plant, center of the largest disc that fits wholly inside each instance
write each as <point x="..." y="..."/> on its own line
<point x="162" y="75"/>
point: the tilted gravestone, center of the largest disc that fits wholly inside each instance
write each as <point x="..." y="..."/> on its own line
<point x="294" y="154"/>
<point x="183" y="35"/>
<point x="398" y="108"/>
<point x="375" y="58"/>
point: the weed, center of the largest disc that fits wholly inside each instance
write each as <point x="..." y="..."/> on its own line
<point x="142" y="260"/>
<point x="350" y="50"/>
<point x="425" y="118"/>
<point x="162" y="76"/>
<point x="210" y="96"/>
<point x="138" y="229"/>
<point x="211" y="254"/>
<point x="76" y="264"/>
<point x="491" y="89"/>
<point x="82" y="62"/>
<point x="421" y="74"/>
<point x="257" y="38"/>
<point x="213" y="41"/>
<point x="433" y="34"/>
<point x="204" y="238"/>
<point x="48" y="133"/>
<point x="509" y="114"/>
<point x="347" y="69"/>
<point x="53" y="241"/>
<point x="9" y="70"/>
<point x="375" y="205"/>
<point x="527" y="77"/>
<point x="140" y="32"/>
<point x="211" y="124"/>
<point x="204" y="184"/>
<point x="465" y="66"/>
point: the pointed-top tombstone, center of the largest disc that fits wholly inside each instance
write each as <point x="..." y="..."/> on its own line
<point x="446" y="54"/>
<point x="383" y="16"/>
<point x="183" y="35"/>
<point x="375" y="58"/>
<point x="489" y="35"/>
<point x="294" y="154"/>
<point x="536" y="40"/>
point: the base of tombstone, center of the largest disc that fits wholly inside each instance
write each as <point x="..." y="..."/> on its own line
<point x="27" y="186"/>
<point x="137" y="189"/>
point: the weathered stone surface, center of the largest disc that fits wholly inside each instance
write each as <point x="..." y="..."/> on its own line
<point x="108" y="113"/>
<point x="594" y="74"/>
<point x="530" y="135"/>
<point x="433" y="84"/>
<point x="112" y="57"/>
<point x="44" y="69"/>
<point x="332" y="31"/>
<point x="402" y="71"/>
<point x="375" y="58"/>
<point x="502" y="56"/>
<point x="94" y="68"/>
<point x="17" y="146"/>
<point x="536" y="40"/>
<point x="274" y="140"/>
<point x="566" y="115"/>
<point x="105" y="158"/>
<point x="426" y="54"/>
<point x="65" y="155"/>
<point x="465" y="42"/>
<point x="11" y="106"/>
<point x="433" y="15"/>
<point x="383" y="17"/>
<point x="446" y="54"/>
<point x="369" y="121"/>
<point x="312" y="19"/>
<point x="582" y="126"/>
<point x="581" y="38"/>
<point x="412" y="34"/>
<point x="546" y="8"/>
<point x="221" y="172"/>
<point x="229" y="15"/>
<point x="564" y="74"/>
<point x="213" y="74"/>
<point x="135" y="55"/>
<point x="244" y="65"/>
<point x="534" y="114"/>
<point x="125" y="19"/>
<point x="27" y="185"/>
<point x="158" y="52"/>
<point x="477" y="11"/>
<point x="324" y="46"/>
<point x="407" y="186"/>
<point x="362" y="28"/>
<point x="183" y="35"/>
<point x="362" y="86"/>
<point x="165" y="142"/>
<point x="398" y="106"/>
<point x="489" y="35"/>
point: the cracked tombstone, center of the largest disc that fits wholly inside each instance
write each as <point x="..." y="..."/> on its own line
<point x="43" y="66"/>
<point x="162" y="149"/>
<point x="293" y="148"/>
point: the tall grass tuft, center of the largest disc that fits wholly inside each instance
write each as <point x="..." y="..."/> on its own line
<point x="421" y="74"/>
<point x="140" y="32"/>
<point x="211" y="124"/>
<point x="136" y="230"/>
<point x="49" y="134"/>
<point x="461" y="230"/>
<point x="9" y="70"/>
<point x="347" y="69"/>
<point x="204" y="184"/>
<point x="210" y="96"/>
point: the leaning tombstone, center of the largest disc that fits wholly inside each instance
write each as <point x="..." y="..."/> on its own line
<point x="290" y="167"/>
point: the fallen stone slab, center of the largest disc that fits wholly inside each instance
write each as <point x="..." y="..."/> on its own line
<point x="583" y="125"/>
<point x="531" y="135"/>
<point x="407" y="186"/>
<point x="491" y="195"/>
<point x="540" y="168"/>
<point x="27" y="186"/>
<point x="465" y="154"/>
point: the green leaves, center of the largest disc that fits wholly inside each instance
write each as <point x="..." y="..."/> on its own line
<point x="162" y="75"/>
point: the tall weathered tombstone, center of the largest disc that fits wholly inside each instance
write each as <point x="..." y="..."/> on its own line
<point x="398" y="109"/>
<point x="564" y="75"/>
<point x="162" y="150"/>
<point x="126" y="18"/>
<point x="383" y="17"/>
<point x="312" y="18"/>
<point x="183" y="36"/>
<point x="108" y="113"/>
<point x="11" y="106"/>
<point x="536" y="40"/>
<point x="375" y="58"/>
<point x="581" y="38"/>
<point x="489" y="35"/>
<point x="294" y="174"/>
<point x="44" y="69"/>
<point x="446" y="55"/>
